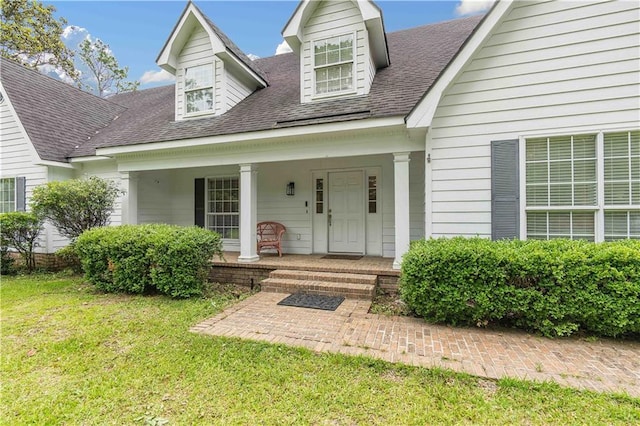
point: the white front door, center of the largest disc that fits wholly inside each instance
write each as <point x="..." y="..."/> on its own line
<point x="346" y="212"/>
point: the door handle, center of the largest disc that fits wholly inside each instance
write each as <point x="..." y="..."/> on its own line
<point x="329" y="217"/>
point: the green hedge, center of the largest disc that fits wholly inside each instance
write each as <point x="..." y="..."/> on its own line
<point x="169" y="259"/>
<point x="555" y="287"/>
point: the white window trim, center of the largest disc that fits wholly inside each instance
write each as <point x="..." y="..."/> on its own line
<point x="185" y="91"/>
<point x="207" y="213"/>
<point x="316" y="96"/>
<point x="600" y="207"/>
<point x="15" y="192"/>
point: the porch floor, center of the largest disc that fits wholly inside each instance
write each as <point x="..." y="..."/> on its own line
<point x="313" y="262"/>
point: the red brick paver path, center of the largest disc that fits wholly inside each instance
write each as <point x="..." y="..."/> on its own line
<point x="603" y="365"/>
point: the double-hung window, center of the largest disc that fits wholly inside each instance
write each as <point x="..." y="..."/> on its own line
<point x="333" y="65"/>
<point x="583" y="186"/>
<point x="198" y="89"/>
<point x="7" y="195"/>
<point x="223" y="206"/>
<point x="621" y="185"/>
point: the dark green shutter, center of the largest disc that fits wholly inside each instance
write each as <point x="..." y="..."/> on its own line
<point x="21" y="194"/>
<point x="199" y="202"/>
<point x="505" y="190"/>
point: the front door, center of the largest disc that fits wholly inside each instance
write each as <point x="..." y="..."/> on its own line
<point x="346" y="212"/>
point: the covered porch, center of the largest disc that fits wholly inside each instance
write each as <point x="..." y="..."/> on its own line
<point x="359" y="191"/>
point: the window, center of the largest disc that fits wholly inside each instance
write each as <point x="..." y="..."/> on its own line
<point x="198" y="89"/>
<point x="565" y="198"/>
<point x="373" y="194"/>
<point x="621" y="185"/>
<point x="333" y="64"/>
<point x="319" y="196"/>
<point x="7" y="195"/>
<point x="223" y="207"/>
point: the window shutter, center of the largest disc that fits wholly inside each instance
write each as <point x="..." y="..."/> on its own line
<point x="21" y="194"/>
<point x="505" y="190"/>
<point x="199" y="202"/>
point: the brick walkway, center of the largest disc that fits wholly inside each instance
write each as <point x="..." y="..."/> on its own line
<point x="603" y="365"/>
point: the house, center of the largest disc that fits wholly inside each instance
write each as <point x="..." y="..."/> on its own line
<point x="524" y="123"/>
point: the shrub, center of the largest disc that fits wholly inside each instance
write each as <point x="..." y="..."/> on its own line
<point x="69" y="258"/>
<point x="6" y="262"/>
<point x="555" y="287"/>
<point x="76" y="205"/>
<point x="20" y="231"/>
<point x="169" y="259"/>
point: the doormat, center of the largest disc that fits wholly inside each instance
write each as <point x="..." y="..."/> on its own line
<point x="313" y="301"/>
<point x="342" y="256"/>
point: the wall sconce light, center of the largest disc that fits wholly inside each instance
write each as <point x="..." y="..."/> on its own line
<point x="291" y="188"/>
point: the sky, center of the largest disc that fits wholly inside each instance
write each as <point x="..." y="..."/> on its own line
<point x="137" y="30"/>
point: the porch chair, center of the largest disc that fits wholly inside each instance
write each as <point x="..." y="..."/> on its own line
<point x="270" y="235"/>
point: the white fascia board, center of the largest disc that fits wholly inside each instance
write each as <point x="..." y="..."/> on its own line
<point x="254" y="136"/>
<point x="89" y="159"/>
<point x="422" y="114"/>
<point x="228" y="55"/>
<point x="54" y="164"/>
<point x="292" y="31"/>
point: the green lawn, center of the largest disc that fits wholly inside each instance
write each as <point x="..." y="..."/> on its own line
<point x="71" y="355"/>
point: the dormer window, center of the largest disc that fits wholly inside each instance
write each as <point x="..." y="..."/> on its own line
<point x="333" y="65"/>
<point x="198" y="89"/>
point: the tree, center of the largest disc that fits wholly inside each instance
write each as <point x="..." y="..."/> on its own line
<point x="104" y="74"/>
<point x="73" y="206"/>
<point x="30" y="34"/>
<point x="20" y="230"/>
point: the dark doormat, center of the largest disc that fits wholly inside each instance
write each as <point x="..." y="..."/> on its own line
<point x="343" y="256"/>
<point x="313" y="301"/>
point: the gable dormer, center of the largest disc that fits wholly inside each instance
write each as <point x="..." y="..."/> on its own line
<point x="212" y="73"/>
<point x="341" y="44"/>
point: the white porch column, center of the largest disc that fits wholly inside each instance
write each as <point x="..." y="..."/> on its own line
<point x="248" y="213"/>
<point x="401" y="212"/>
<point x="129" y="206"/>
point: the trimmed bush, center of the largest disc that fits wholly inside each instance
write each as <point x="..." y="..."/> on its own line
<point x="168" y="259"/>
<point x="20" y="231"/>
<point x="76" y="205"/>
<point x="555" y="287"/>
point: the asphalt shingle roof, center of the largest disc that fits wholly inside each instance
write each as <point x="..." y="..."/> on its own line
<point x="55" y="115"/>
<point x="418" y="56"/>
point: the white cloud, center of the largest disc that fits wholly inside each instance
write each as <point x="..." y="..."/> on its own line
<point x="253" y="57"/>
<point x="73" y="31"/>
<point x="283" y="48"/>
<point x="469" y="7"/>
<point x="160" y="76"/>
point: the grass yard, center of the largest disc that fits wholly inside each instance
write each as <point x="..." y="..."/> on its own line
<point x="71" y="355"/>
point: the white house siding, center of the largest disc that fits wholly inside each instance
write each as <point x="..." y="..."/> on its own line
<point x="176" y="205"/>
<point x="332" y="18"/>
<point x="550" y="67"/>
<point x="236" y="91"/>
<point x="17" y="157"/>
<point x="153" y="205"/>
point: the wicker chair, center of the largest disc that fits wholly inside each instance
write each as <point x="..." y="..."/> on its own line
<point x="270" y="235"/>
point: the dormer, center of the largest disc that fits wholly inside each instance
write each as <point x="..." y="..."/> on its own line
<point x="341" y="44"/>
<point x="212" y="73"/>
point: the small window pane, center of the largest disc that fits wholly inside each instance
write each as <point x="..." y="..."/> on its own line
<point x="560" y="148"/>
<point x="320" y="196"/>
<point x="536" y="149"/>
<point x="7" y="195"/>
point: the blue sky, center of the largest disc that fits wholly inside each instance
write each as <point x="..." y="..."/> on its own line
<point x="137" y="30"/>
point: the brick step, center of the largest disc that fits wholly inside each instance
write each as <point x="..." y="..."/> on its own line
<point x="327" y="288"/>
<point x="335" y="277"/>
